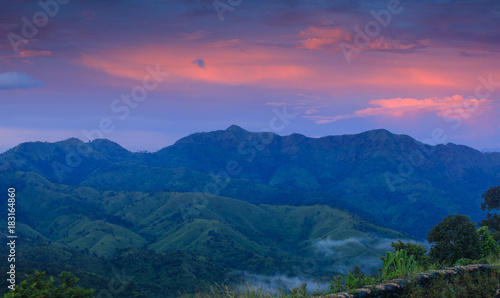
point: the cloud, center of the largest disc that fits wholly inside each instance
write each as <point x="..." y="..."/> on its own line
<point x="348" y="250"/>
<point x="194" y="35"/>
<point x="199" y="62"/>
<point x="29" y="54"/>
<point x="455" y="106"/>
<point x="277" y="104"/>
<point x="330" y="39"/>
<point x="14" y="80"/>
<point x="373" y="248"/>
<point x="275" y="283"/>
<point x="228" y="66"/>
<point x="317" y="38"/>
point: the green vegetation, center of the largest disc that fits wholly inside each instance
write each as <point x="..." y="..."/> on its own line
<point x="488" y="245"/>
<point x="491" y="201"/>
<point x="453" y="238"/>
<point x="87" y="232"/>
<point x="417" y="250"/>
<point x="409" y="260"/>
<point x="37" y="285"/>
<point x="398" y="264"/>
<point x="461" y="285"/>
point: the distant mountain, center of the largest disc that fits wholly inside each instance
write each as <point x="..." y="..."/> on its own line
<point x="232" y="200"/>
<point x="487" y="150"/>
<point x="392" y="179"/>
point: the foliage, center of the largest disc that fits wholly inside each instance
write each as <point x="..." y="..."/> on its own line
<point x="36" y="285"/>
<point x="412" y="249"/>
<point x="491" y="201"/>
<point x="398" y="264"/>
<point x="337" y="284"/>
<point x="453" y="238"/>
<point x="463" y="262"/>
<point x="488" y="244"/>
<point x="355" y="279"/>
<point x="297" y="292"/>
<point x="462" y="285"/>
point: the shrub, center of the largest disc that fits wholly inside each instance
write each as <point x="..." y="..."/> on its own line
<point x="463" y="262"/>
<point x="36" y="285"/>
<point x="398" y="264"/>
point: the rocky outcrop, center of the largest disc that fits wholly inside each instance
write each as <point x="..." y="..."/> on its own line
<point x="395" y="287"/>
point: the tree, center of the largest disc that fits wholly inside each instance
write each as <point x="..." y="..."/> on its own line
<point x="36" y="285"/>
<point x="413" y="249"/>
<point x="491" y="201"/>
<point x="488" y="245"/>
<point x="453" y="238"/>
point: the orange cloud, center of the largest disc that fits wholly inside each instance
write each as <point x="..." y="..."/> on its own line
<point x="316" y="38"/>
<point x="225" y="63"/>
<point x="448" y="107"/>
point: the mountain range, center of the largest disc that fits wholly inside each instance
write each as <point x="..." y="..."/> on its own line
<point x="237" y="201"/>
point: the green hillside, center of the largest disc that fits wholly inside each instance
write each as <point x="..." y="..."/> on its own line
<point x="224" y="233"/>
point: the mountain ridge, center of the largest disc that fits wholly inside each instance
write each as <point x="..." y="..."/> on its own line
<point x="354" y="170"/>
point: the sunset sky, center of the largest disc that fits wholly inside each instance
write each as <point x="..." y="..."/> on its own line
<point x="341" y="67"/>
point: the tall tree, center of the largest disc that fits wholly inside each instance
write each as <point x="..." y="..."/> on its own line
<point x="453" y="238"/>
<point x="491" y="201"/>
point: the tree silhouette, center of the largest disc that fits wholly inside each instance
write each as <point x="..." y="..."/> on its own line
<point x="491" y="201"/>
<point x="453" y="238"/>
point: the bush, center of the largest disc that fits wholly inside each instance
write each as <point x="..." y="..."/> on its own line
<point x="463" y="262"/>
<point x="36" y="285"/>
<point x="398" y="264"/>
<point x="355" y="279"/>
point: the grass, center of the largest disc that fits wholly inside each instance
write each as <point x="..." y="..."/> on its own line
<point x="463" y="285"/>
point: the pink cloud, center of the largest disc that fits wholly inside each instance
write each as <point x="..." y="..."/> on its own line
<point x="237" y="62"/>
<point x="448" y="107"/>
<point x="327" y="38"/>
<point x="316" y="38"/>
<point x="223" y="64"/>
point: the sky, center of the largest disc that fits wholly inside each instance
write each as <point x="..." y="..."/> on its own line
<point x="147" y="73"/>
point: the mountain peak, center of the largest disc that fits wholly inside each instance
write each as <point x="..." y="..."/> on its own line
<point x="69" y="141"/>
<point x="106" y="143"/>
<point x="237" y="132"/>
<point x="378" y="132"/>
<point x="235" y="129"/>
